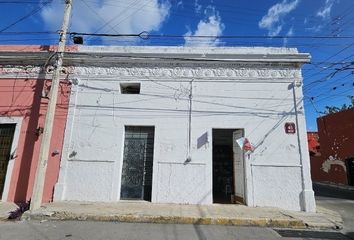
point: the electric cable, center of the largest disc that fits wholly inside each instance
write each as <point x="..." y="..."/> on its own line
<point x="33" y="12"/>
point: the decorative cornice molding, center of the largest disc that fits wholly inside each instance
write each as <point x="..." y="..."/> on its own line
<point x="20" y="69"/>
<point x="33" y="72"/>
<point x="159" y="71"/>
<point x="218" y="72"/>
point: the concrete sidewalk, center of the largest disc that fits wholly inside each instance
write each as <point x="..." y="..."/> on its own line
<point x="5" y="209"/>
<point x="186" y="214"/>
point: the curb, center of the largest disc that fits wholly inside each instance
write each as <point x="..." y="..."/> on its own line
<point x="337" y="186"/>
<point x="260" y="222"/>
<point x="4" y="217"/>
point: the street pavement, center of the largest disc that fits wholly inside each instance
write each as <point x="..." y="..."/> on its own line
<point x="332" y="198"/>
<point x="219" y="214"/>
<point x="86" y="230"/>
<point x="339" y="200"/>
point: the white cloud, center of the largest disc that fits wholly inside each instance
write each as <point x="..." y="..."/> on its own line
<point x="212" y="26"/>
<point x="272" y="21"/>
<point x="104" y="16"/>
<point x="315" y="29"/>
<point x="180" y="4"/>
<point x="325" y="11"/>
<point x="289" y="34"/>
<point x="198" y="7"/>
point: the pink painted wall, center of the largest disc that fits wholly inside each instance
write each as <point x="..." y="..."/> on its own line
<point x="36" y="48"/>
<point x="22" y="98"/>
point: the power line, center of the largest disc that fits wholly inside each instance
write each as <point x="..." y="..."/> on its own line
<point x="213" y="36"/>
<point x="347" y="12"/>
<point x="98" y="15"/>
<point x="23" y="2"/>
<point x="115" y="17"/>
<point x="334" y="88"/>
<point x="28" y="33"/>
<point x="325" y="78"/>
<point x="340" y="94"/>
<point x="33" y="12"/>
<point x="28" y="39"/>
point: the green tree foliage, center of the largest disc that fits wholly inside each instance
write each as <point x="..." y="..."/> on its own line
<point x="334" y="109"/>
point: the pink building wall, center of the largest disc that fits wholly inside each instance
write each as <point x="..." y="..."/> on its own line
<point x="23" y="98"/>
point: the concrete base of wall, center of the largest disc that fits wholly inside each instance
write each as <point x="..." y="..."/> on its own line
<point x="308" y="203"/>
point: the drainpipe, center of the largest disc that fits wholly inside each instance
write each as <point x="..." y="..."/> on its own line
<point x="189" y="158"/>
<point x="307" y="194"/>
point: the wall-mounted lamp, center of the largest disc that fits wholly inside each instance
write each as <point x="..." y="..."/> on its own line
<point x="78" y="40"/>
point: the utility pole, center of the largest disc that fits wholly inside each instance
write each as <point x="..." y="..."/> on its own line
<point x="38" y="187"/>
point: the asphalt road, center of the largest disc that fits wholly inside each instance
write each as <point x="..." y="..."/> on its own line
<point x="339" y="200"/>
<point x="109" y="230"/>
<point x="74" y="230"/>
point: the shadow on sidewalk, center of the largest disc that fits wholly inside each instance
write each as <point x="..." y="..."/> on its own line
<point x="332" y="192"/>
<point x="16" y="214"/>
<point x="350" y="235"/>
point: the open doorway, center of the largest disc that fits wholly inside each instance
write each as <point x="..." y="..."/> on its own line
<point x="228" y="173"/>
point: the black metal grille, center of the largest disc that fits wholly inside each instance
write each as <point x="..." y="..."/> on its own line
<point x="6" y="137"/>
<point x="137" y="163"/>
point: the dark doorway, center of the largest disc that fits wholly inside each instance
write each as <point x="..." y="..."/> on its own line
<point x="137" y="163"/>
<point x="228" y="166"/>
<point x="223" y="165"/>
<point x="6" y="136"/>
<point x="350" y="171"/>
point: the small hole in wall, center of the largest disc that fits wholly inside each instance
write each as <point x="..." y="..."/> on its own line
<point x="130" y="88"/>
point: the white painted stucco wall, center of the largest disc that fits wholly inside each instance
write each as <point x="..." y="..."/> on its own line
<point x="255" y="95"/>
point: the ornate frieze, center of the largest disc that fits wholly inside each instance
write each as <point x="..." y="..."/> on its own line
<point x="255" y="72"/>
<point x="20" y="70"/>
<point x="158" y="72"/>
<point x="31" y="72"/>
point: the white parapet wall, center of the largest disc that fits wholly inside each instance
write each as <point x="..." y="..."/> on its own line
<point x="254" y="89"/>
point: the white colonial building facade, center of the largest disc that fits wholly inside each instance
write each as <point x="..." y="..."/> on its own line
<point x="166" y="125"/>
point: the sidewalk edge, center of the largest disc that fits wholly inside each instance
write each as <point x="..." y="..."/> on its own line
<point x="260" y="222"/>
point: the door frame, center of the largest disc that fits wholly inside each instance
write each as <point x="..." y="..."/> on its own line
<point x="236" y="198"/>
<point x="11" y="164"/>
<point x="120" y="168"/>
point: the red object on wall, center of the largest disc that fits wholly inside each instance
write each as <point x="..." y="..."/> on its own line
<point x="336" y="137"/>
<point x="313" y="142"/>
<point x="290" y="128"/>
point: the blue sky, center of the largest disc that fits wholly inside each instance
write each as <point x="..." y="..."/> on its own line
<point x="328" y="80"/>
